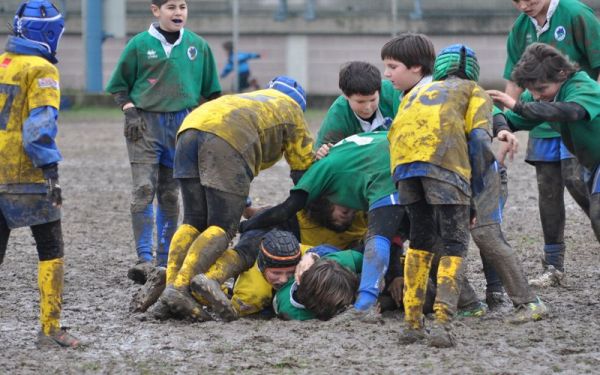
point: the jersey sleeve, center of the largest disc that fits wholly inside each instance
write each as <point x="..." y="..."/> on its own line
<point x="210" y="77"/>
<point x="479" y="111"/>
<point x="389" y="99"/>
<point x="584" y="92"/>
<point x="125" y="72"/>
<point x="337" y="123"/>
<point x="588" y="27"/>
<point x="298" y="151"/>
<point x="519" y="122"/>
<point x="514" y="49"/>
<point x="43" y="87"/>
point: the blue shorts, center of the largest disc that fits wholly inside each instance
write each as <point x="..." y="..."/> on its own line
<point x="25" y="210"/>
<point x="388" y="200"/>
<point x="546" y="150"/>
<point x="593" y="180"/>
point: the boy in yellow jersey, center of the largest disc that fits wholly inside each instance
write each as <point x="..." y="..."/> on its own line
<point x="221" y="147"/>
<point x="30" y="194"/>
<point x="437" y="127"/>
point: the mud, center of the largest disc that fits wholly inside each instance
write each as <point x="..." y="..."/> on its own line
<point x="99" y="249"/>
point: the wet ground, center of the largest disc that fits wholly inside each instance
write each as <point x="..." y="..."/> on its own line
<point x="95" y="179"/>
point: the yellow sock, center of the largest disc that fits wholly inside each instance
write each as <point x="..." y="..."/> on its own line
<point x="180" y="243"/>
<point x="50" y="283"/>
<point x="417" y="265"/>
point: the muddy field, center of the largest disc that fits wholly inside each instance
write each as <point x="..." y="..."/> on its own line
<point x="99" y="249"/>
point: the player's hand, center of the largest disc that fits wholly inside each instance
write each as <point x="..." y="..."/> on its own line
<point x="396" y="289"/>
<point x="54" y="192"/>
<point x="306" y="262"/>
<point x="503" y="98"/>
<point x="323" y="151"/>
<point x="509" y="146"/>
<point x="134" y="124"/>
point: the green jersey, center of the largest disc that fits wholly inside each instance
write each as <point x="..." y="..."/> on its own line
<point x="341" y="122"/>
<point x="163" y="77"/>
<point x="581" y="137"/>
<point x="572" y="28"/>
<point x="355" y="173"/>
<point x="284" y="303"/>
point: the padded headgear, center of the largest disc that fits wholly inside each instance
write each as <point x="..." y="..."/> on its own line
<point x="456" y="59"/>
<point x="41" y="22"/>
<point x="278" y="249"/>
<point x="291" y="88"/>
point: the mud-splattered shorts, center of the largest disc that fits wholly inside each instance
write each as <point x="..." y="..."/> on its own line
<point x="218" y="165"/>
<point x="546" y="150"/>
<point x="25" y="210"/>
<point x="433" y="191"/>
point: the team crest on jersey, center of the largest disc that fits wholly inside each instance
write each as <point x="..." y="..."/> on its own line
<point x="560" y="33"/>
<point x="192" y="53"/>
<point x="152" y="54"/>
<point x="47" y="83"/>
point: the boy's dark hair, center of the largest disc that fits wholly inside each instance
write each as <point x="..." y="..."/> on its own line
<point x="320" y="211"/>
<point x="159" y="3"/>
<point x="412" y="50"/>
<point x="542" y="63"/>
<point x="327" y="288"/>
<point x="359" y="77"/>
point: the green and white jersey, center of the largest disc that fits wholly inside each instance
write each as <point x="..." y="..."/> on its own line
<point x="572" y="28"/>
<point x="355" y="173"/>
<point x="163" y="77"/>
<point x="582" y="137"/>
<point x="341" y="122"/>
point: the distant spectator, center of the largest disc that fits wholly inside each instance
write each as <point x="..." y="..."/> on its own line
<point x="244" y="80"/>
<point x="282" y="11"/>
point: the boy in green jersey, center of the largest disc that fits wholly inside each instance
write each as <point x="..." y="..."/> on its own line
<point x="573" y="28"/>
<point x="367" y="104"/>
<point x="567" y="99"/>
<point x="162" y="75"/>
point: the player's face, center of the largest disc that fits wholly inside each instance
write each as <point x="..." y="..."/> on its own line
<point x="341" y="217"/>
<point x="277" y="277"/>
<point x="545" y="91"/>
<point x="402" y="78"/>
<point x="532" y="8"/>
<point x="171" y="15"/>
<point x="364" y="105"/>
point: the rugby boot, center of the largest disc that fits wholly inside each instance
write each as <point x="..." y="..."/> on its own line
<point x="417" y="265"/>
<point x="159" y="311"/>
<point x="139" y="272"/>
<point x="410" y="335"/>
<point x="229" y="265"/>
<point x="209" y="290"/>
<point x="477" y="310"/>
<point x="202" y="253"/>
<point x="528" y="312"/>
<point x="440" y="335"/>
<point x="58" y="337"/>
<point x="553" y="264"/>
<point x="496" y="299"/>
<point x="550" y="277"/>
<point x="180" y="243"/>
<point x="148" y="294"/>
<point x="182" y="305"/>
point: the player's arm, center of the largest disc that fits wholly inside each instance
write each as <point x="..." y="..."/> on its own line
<point x="277" y="214"/>
<point x="551" y="111"/>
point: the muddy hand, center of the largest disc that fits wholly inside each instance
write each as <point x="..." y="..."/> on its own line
<point x="396" y="289"/>
<point x="134" y="124"/>
<point x="323" y="151"/>
<point x="306" y="262"/>
<point x="503" y="98"/>
<point x="510" y="146"/>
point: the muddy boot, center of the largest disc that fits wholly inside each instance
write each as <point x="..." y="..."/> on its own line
<point x="210" y="291"/>
<point x="553" y="264"/>
<point x="416" y="276"/>
<point x="410" y="335"/>
<point x="529" y="312"/>
<point x="440" y="335"/>
<point x="202" y="253"/>
<point x="148" y="294"/>
<point x="159" y="311"/>
<point x="180" y="243"/>
<point x="139" y="272"/>
<point x="183" y="305"/>
<point x="496" y="299"/>
<point x="59" y="337"/>
<point x="229" y="265"/>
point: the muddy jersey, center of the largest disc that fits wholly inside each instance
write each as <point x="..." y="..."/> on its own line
<point x="261" y="125"/>
<point x="314" y="234"/>
<point x="355" y="173"/>
<point x="581" y="137"/>
<point x="26" y="82"/>
<point x="341" y="122"/>
<point x="163" y="77"/>
<point x="572" y="28"/>
<point x="433" y="124"/>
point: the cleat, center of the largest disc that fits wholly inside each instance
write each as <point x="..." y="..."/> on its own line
<point x="477" y="310"/>
<point x="210" y="291"/>
<point x="140" y="272"/>
<point x="495" y="300"/>
<point x="529" y="312"/>
<point x="148" y="294"/>
<point x="159" y="311"/>
<point x="410" y="335"/>
<point x="550" y="277"/>
<point x="440" y="335"/>
<point x="60" y="337"/>
<point x="351" y="314"/>
<point x="183" y="305"/>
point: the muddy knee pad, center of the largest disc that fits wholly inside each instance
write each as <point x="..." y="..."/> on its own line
<point x="505" y="260"/>
<point x="145" y="178"/>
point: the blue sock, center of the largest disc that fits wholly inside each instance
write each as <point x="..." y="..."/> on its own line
<point x="165" y="229"/>
<point x="554" y="255"/>
<point x="143" y="225"/>
<point x="375" y="264"/>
